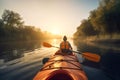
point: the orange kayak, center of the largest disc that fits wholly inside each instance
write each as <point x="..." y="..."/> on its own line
<point x="61" y="67"/>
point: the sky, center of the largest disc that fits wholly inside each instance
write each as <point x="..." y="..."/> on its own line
<point x="56" y="16"/>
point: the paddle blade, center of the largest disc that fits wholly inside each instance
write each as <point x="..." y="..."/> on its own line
<point x="91" y="56"/>
<point x="47" y="45"/>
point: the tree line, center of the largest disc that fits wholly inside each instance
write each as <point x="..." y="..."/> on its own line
<point x="104" y="20"/>
<point x="12" y="28"/>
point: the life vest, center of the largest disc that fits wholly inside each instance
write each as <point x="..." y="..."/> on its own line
<point x="65" y="45"/>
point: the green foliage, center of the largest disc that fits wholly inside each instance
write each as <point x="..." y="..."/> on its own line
<point x="1" y="28"/>
<point x="12" y="19"/>
<point x="104" y="20"/>
<point x="87" y="28"/>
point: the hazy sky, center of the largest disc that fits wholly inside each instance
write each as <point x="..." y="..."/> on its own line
<point x="57" y="16"/>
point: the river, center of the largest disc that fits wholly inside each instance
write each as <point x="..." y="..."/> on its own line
<point x="26" y="66"/>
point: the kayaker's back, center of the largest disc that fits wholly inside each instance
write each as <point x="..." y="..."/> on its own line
<point x="60" y="53"/>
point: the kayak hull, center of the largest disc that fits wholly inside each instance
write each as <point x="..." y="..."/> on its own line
<point x="61" y="67"/>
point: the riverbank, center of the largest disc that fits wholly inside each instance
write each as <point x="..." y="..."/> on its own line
<point x="111" y="44"/>
<point x="108" y="42"/>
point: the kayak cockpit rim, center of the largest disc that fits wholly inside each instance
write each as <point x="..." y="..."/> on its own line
<point x="60" y="75"/>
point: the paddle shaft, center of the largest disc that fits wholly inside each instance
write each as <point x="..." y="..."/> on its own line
<point x="76" y="52"/>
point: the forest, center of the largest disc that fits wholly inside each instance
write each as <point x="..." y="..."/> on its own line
<point x="102" y="28"/>
<point x="12" y="29"/>
<point x="102" y="21"/>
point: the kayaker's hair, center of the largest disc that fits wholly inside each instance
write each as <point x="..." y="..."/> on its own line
<point x="65" y="38"/>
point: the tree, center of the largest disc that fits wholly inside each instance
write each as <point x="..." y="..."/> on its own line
<point x="106" y="17"/>
<point x="85" y="29"/>
<point x="1" y="23"/>
<point x="104" y="20"/>
<point x="1" y="28"/>
<point x="12" y="19"/>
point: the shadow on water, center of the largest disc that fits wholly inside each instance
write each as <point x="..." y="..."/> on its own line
<point x="110" y="56"/>
<point x="13" y="50"/>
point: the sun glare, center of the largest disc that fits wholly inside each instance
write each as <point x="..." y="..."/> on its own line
<point x="55" y="31"/>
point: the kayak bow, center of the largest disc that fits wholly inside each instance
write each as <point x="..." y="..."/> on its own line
<point x="61" y="67"/>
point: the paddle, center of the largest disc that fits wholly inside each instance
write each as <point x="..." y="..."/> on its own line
<point x="87" y="55"/>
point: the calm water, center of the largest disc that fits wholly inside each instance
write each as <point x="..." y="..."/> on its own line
<point x="23" y="60"/>
<point x="14" y="50"/>
<point x="110" y="56"/>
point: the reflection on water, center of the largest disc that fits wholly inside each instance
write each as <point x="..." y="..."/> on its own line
<point x="110" y="56"/>
<point x="98" y="48"/>
<point x="13" y="50"/>
<point x="27" y="66"/>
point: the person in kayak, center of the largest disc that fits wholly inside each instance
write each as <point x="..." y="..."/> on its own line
<point x="65" y="46"/>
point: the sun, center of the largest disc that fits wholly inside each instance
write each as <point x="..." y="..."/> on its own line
<point x="55" y="31"/>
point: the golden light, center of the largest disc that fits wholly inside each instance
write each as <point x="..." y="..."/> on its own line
<point x="55" y="31"/>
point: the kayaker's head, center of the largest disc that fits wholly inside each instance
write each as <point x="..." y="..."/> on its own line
<point x="65" y="38"/>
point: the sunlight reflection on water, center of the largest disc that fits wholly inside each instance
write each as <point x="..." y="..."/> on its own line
<point x="41" y="52"/>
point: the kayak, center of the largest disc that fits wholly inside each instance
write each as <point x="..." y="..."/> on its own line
<point x="61" y="67"/>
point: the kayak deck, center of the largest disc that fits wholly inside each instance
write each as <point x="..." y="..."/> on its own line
<point x="61" y="67"/>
